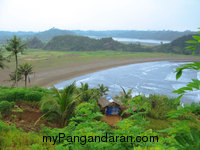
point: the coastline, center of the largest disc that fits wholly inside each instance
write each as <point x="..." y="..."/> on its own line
<point x="54" y="76"/>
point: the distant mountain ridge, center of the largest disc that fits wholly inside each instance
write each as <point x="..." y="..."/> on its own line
<point x="47" y="35"/>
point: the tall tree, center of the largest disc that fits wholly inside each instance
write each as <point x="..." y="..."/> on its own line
<point x="15" y="46"/>
<point x="25" y="70"/>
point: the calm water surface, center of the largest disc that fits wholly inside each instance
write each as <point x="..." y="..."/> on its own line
<point x="132" y="40"/>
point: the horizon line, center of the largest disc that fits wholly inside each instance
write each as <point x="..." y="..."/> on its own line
<point x="97" y="30"/>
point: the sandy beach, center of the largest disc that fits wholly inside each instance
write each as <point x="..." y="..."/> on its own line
<point x="51" y="77"/>
<point x="46" y="78"/>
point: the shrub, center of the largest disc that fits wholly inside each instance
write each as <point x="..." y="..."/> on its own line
<point x="87" y="111"/>
<point x="160" y="106"/>
<point x="33" y="96"/>
<point x="195" y="108"/>
<point x="39" y="89"/>
<point x="3" y="127"/>
<point x="5" y="107"/>
<point x="12" y="94"/>
<point x="17" y="94"/>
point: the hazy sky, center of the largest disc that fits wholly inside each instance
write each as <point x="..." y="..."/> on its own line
<point x="39" y="15"/>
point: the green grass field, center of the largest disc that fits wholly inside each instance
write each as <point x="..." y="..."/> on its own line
<point x="42" y="59"/>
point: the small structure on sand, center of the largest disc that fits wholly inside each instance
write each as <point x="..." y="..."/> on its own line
<point x="109" y="106"/>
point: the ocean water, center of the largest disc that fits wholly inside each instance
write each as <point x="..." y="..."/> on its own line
<point x="144" y="78"/>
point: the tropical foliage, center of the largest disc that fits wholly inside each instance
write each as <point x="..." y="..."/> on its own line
<point x="15" y="46"/>
<point x="62" y="105"/>
<point x="103" y="89"/>
<point x="83" y="119"/>
<point x="194" y="85"/>
<point x="25" y="70"/>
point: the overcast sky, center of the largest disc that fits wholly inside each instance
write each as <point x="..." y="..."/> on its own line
<point x="39" y="15"/>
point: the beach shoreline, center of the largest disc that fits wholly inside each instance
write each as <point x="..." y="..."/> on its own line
<point x="50" y="77"/>
<point x="56" y="76"/>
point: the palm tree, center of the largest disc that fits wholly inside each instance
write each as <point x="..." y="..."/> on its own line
<point x="25" y="70"/>
<point x="15" y="46"/>
<point x="62" y="106"/>
<point x="85" y="92"/>
<point x="103" y="89"/>
<point x="84" y="87"/>
<point x="125" y="94"/>
<point x="13" y="77"/>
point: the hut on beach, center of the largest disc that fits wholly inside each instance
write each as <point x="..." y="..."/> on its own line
<point x="109" y="106"/>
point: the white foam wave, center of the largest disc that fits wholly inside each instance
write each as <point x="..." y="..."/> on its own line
<point x="171" y="77"/>
<point x="135" y="93"/>
<point x="78" y="83"/>
<point x="198" y="75"/>
<point x="149" y="88"/>
<point x="177" y="86"/>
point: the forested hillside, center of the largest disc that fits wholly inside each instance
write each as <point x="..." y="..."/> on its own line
<point x="35" y="43"/>
<point x="176" y="46"/>
<point x="81" y="43"/>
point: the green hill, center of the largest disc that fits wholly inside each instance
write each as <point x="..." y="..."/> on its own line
<point x="81" y="43"/>
<point x="34" y="43"/>
<point x="176" y="46"/>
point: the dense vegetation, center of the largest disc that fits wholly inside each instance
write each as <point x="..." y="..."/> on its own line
<point x="156" y="116"/>
<point x="35" y="43"/>
<point x="24" y="94"/>
<point x="78" y="43"/>
<point x="177" y="46"/>
<point x="81" y="43"/>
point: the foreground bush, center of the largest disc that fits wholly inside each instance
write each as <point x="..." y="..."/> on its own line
<point x="24" y="94"/>
<point x="62" y="105"/>
<point x="12" y="138"/>
<point x="6" y="107"/>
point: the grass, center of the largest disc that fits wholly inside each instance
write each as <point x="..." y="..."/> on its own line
<point x="158" y="124"/>
<point x="42" y="59"/>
